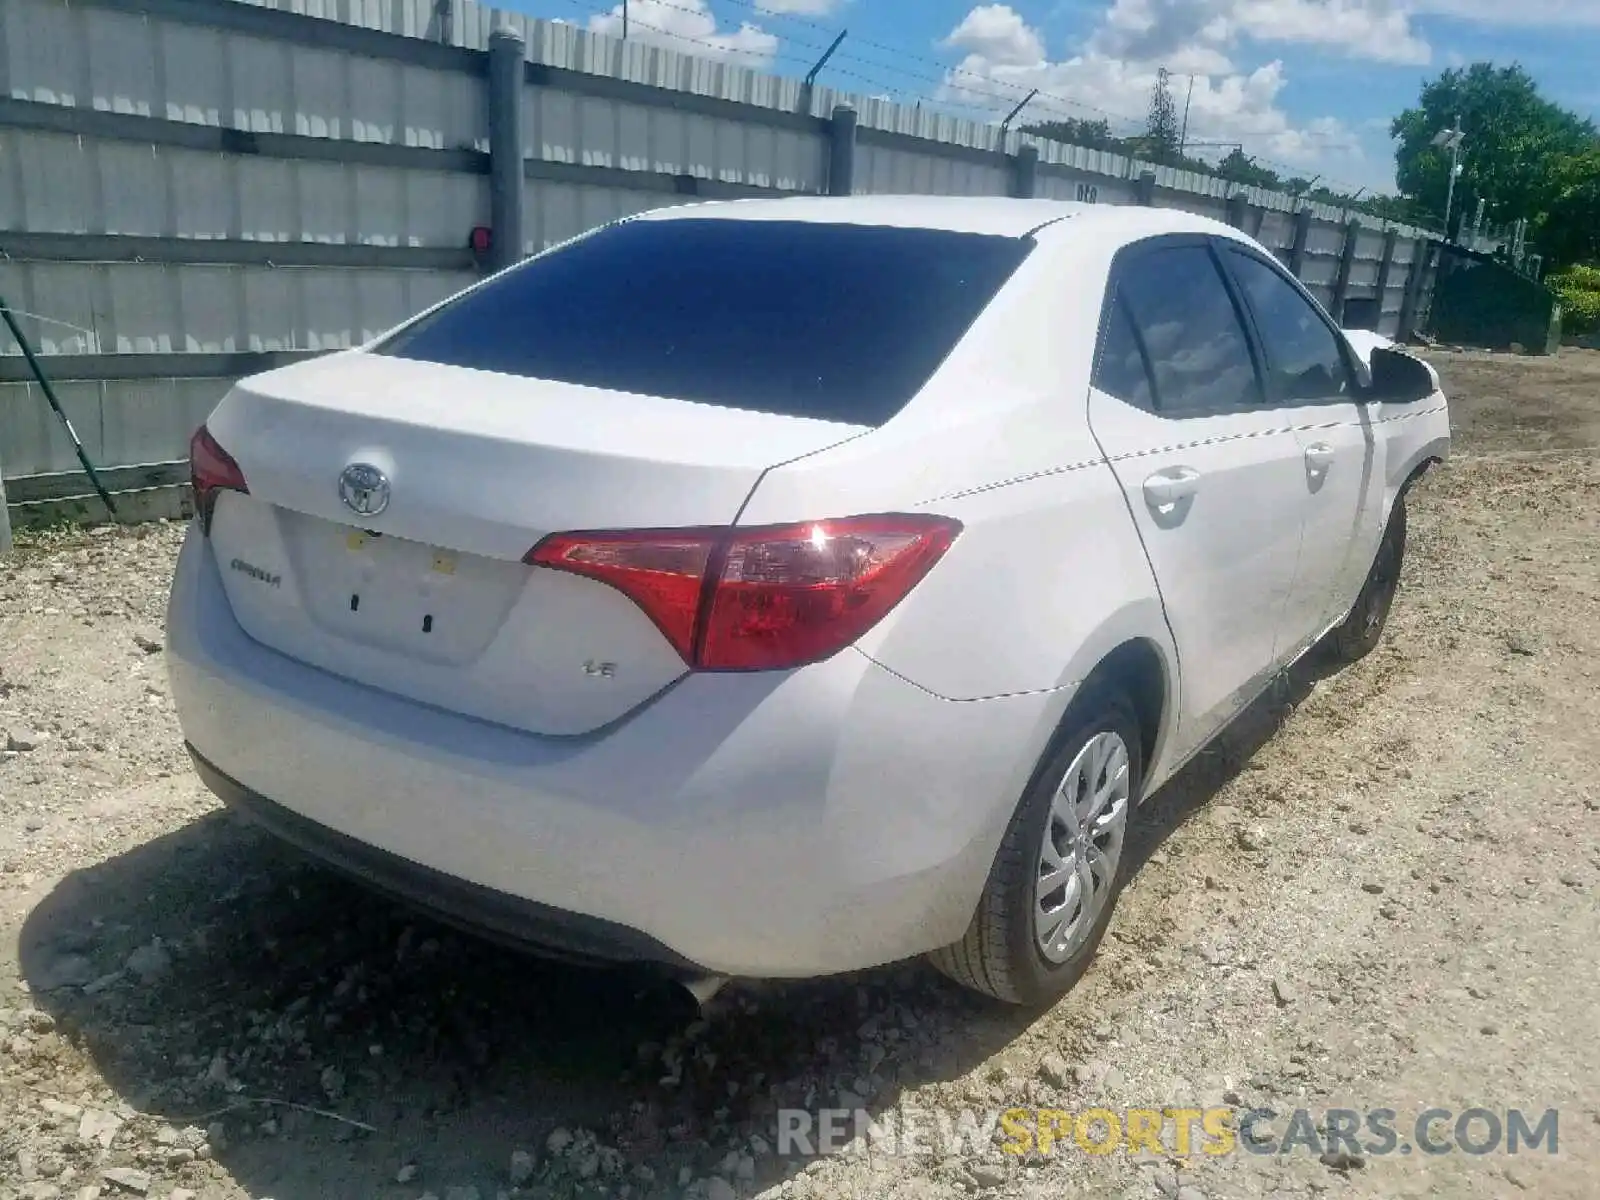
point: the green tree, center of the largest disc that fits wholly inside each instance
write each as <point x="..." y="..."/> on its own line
<point x="1161" y="130"/>
<point x="1568" y="230"/>
<point x="1097" y="135"/>
<point x="1075" y="131"/>
<point x="1514" y="140"/>
<point x="1403" y="209"/>
<point x="1238" y="167"/>
<point x="1579" y="289"/>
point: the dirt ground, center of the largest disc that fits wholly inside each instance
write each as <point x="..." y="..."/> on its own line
<point x="1377" y="892"/>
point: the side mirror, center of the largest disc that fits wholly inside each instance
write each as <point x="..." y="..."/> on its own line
<point x="1400" y="378"/>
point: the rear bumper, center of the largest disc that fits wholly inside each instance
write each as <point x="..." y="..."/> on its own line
<point x="497" y="915"/>
<point x="775" y="824"/>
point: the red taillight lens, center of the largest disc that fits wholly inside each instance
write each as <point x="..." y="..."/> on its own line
<point x="794" y="595"/>
<point x="661" y="572"/>
<point x="778" y="596"/>
<point x="211" y="469"/>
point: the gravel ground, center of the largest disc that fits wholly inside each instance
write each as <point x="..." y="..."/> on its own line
<point x="1378" y="891"/>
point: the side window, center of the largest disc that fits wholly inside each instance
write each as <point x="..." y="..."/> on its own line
<point x="1304" y="362"/>
<point x="1197" y="347"/>
<point x="1121" y="370"/>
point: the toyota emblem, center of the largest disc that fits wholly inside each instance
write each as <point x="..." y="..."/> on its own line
<point x="364" y="489"/>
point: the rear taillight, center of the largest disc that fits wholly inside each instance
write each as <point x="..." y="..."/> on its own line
<point x="798" y="593"/>
<point x="211" y="470"/>
<point x="661" y="572"/>
<point x="765" y="598"/>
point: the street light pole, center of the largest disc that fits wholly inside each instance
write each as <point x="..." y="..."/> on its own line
<point x="1452" y="139"/>
<point x="1450" y="193"/>
<point x="1183" y="138"/>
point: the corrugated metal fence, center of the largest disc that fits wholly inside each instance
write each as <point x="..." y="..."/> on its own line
<point x="194" y="190"/>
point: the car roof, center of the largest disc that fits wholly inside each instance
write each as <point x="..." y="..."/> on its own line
<point x="995" y="215"/>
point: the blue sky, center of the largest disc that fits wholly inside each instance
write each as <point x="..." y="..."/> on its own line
<point x="1307" y="86"/>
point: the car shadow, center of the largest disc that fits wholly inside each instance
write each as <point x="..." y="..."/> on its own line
<point x="323" y="1038"/>
<point x="1228" y="754"/>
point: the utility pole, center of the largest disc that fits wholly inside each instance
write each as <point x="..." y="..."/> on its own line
<point x="1455" y="169"/>
<point x="1183" y="138"/>
<point x="1451" y="139"/>
<point x="624" y="19"/>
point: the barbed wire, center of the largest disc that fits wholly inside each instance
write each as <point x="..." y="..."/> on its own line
<point x="994" y="101"/>
<point x="1017" y="90"/>
<point x="724" y="49"/>
<point x="944" y="69"/>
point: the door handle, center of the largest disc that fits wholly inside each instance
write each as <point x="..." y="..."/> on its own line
<point x="1319" y="457"/>
<point x="1169" y="487"/>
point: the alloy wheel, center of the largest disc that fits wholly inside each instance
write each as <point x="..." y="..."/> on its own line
<point x="1082" y="847"/>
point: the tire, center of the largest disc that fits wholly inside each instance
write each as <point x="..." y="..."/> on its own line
<point x="1002" y="953"/>
<point x="1356" y="638"/>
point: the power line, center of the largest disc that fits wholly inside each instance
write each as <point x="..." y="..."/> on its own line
<point x="635" y="23"/>
<point x="1128" y="122"/>
<point x="943" y="82"/>
<point x="723" y="49"/>
<point x="944" y="69"/>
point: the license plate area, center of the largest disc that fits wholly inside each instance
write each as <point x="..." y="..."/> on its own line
<point x="424" y="601"/>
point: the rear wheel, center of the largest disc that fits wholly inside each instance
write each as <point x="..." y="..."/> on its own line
<point x="1055" y="880"/>
<point x="1358" y="635"/>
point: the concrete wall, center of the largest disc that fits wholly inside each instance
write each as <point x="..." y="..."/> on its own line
<point x="193" y="190"/>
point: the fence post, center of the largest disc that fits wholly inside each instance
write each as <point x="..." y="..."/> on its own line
<point x="506" y="169"/>
<point x="1025" y="172"/>
<point x="1238" y="210"/>
<point x="5" y="515"/>
<point x="1302" y="235"/>
<point x="1385" y="270"/>
<point x="1408" y="306"/>
<point x="1347" y="258"/>
<point x="842" y="150"/>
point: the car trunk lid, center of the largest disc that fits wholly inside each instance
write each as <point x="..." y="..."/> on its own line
<point x="428" y="596"/>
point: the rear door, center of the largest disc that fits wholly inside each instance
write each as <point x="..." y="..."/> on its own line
<point x="1211" y="473"/>
<point x="1310" y="377"/>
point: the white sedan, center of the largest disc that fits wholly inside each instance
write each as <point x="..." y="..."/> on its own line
<point x="782" y="588"/>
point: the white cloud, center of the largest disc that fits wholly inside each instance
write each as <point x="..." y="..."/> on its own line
<point x="688" y="26"/>
<point x="1369" y="29"/>
<point x="996" y="34"/>
<point x="1524" y="12"/>
<point x="800" y="8"/>
<point x="1378" y="30"/>
<point x="1149" y="30"/>
<point x="1116" y="71"/>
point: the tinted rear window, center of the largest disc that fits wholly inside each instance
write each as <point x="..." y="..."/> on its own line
<point x="837" y="322"/>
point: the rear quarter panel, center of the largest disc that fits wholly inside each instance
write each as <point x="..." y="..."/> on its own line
<point x="1048" y="574"/>
<point x="1411" y="434"/>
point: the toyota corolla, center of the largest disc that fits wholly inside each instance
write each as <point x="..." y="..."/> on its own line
<point x="782" y="588"/>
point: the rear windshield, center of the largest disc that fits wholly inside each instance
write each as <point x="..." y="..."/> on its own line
<point x="836" y="322"/>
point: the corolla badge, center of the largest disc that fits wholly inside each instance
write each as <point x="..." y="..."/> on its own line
<point x="364" y="489"/>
